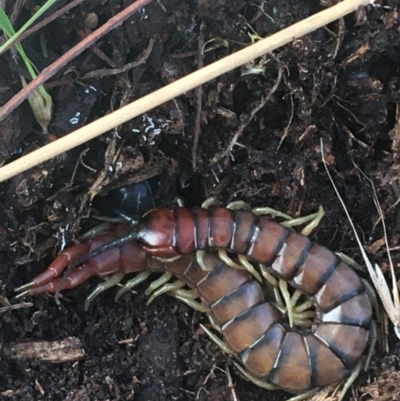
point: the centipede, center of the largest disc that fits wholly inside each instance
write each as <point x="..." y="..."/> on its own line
<point x="224" y="256"/>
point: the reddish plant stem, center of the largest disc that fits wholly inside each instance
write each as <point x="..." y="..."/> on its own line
<point x="52" y="69"/>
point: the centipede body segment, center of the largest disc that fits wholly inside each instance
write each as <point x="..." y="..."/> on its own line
<point x="266" y="347"/>
<point x="254" y="329"/>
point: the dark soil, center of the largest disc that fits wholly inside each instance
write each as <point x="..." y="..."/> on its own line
<point x="340" y="83"/>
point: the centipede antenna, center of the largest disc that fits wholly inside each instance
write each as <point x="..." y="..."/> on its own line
<point x="128" y="218"/>
<point x="105" y="226"/>
<point x="121" y="218"/>
<point x="113" y="244"/>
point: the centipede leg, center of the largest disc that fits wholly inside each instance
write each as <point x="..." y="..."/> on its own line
<point x="303" y="319"/>
<point x="166" y="288"/>
<point x="373" y="338"/>
<point x="379" y="314"/>
<point x="253" y="379"/>
<point x="229" y="261"/>
<point x="271" y="280"/>
<point x="132" y="283"/>
<point x="240" y="369"/>
<point x="313" y="220"/>
<point x="287" y="304"/>
<point x="158" y="283"/>
<point x="217" y="341"/>
<point x="302" y="315"/>
<point x="200" y="260"/>
<point x="110" y="282"/>
<point x="267" y="386"/>
<point x="208" y="202"/>
<point x="326" y="393"/>
<point x="297" y="314"/>
<point x="350" y="262"/>
<point x="243" y="265"/>
<point x="161" y="286"/>
<point x="237" y="205"/>
<point x="280" y="290"/>
<point x="188" y="297"/>
<point x="350" y="380"/>
<point x="222" y="254"/>
<point x="283" y="287"/>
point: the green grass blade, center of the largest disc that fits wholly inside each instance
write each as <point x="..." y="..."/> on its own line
<point x="14" y="35"/>
<point x="40" y="101"/>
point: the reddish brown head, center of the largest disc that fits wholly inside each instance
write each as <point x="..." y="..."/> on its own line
<point x="156" y="233"/>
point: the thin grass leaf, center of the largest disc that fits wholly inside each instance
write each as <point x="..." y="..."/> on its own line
<point x="40" y="101"/>
<point x="390" y="305"/>
<point x="27" y="24"/>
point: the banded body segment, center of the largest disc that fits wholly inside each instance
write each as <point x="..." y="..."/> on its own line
<point x="244" y="230"/>
<point x="260" y="358"/>
<point x="237" y="301"/>
<point x="184" y="239"/>
<point x="318" y="266"/>
<point x="221" y="227"/>
<point x="220" y="282"/>
<point x="292" y="255"/>
<point x="252" y="328"/>
<point x="357" y="311"/>
<point x="267" y="241"/>
<point x="247" y="328"/>
<point x="326" y="366"/>
<point x="255" y="331"/>
<point x="342" y="285"/>
<point x="292" y="368"/>
<point x="201" y="220"/>
<point x="348" y="342"/>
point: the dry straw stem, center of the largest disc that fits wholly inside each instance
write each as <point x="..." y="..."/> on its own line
<point x="179" y="87"/>
<point x="390" y="299"/>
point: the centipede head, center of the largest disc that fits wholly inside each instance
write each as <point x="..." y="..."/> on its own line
<point x="156" y="233"/>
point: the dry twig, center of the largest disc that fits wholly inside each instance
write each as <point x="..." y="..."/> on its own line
<point x="199" y="93"/>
